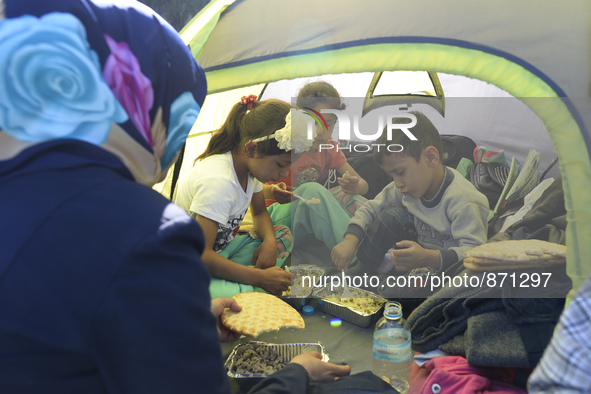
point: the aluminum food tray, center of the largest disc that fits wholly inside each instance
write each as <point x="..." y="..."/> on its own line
<point x="302" y="298"/>
<point x="327" y="304"/>
<point x="285" y="350"/>
<point x="297" y="302"/>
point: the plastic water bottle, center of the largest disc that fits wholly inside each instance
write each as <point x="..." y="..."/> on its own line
<point x="392" y="354"/>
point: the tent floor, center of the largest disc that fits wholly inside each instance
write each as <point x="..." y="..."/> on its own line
<point x="348" y="343"/>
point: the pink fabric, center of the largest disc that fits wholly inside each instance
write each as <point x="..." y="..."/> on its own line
<point x="132" y="88"/>
<point x="454" y="375"/>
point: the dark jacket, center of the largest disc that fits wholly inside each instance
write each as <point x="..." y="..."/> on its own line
<point x="102" y="288"/>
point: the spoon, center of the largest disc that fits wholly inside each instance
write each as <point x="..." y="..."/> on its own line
<point x="346" y="292"/>
<point x="312" y="201"/>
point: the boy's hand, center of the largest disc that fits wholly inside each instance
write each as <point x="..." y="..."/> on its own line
<point x="342" y="254"/>
<point x="320" y="371"/>
<point x="274" y="280"/>
<point x="410" y="255"/>
<point x="349" y="183"/>
<point x="265" y="256"/>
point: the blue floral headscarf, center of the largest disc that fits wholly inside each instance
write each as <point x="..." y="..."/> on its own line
<point x="107" y="72"/>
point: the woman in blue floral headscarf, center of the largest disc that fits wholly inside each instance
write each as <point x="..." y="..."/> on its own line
<point x="101" y="284"/>
<point x="102" y="287"/>
<point x="112" y="76"/>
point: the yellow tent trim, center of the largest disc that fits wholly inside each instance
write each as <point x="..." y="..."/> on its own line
<point x="197" y="31"/>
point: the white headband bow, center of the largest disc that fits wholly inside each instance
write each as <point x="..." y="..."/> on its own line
<point x="294" y="135"/>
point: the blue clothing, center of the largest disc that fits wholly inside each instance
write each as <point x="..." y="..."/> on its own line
<point x="112" y="73"/>
<point x="102" y="289"/>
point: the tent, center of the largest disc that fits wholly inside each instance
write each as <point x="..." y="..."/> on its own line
<point x="537" y="51"/>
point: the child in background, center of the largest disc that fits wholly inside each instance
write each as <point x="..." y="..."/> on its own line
<point x="225" y="181"/>
<point x="315" y="165"/>
<point x="429" y="214"/>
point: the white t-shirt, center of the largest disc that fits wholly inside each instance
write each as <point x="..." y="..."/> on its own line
<point x="212" y="190"/>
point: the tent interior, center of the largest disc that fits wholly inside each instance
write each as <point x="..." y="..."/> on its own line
<point x="457" y="105"/>
<point x="490" y="116"/>
<point x="501" y="84"/>
<point x="539" y="52"/>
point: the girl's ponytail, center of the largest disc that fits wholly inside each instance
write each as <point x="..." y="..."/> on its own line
<point x="228" y="136"/>
<point x="248" y="121"/>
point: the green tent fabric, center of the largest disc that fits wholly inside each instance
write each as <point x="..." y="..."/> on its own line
<point x="537" y="50"/>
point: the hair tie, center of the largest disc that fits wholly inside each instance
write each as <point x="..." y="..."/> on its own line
<point x="248" y="100"/>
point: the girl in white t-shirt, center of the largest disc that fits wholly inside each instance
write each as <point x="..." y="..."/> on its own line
<point x="254" y="145"/>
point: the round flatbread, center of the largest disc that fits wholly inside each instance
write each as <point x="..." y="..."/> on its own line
<point x="261" y="313"/>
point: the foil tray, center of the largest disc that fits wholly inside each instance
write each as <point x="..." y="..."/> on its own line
<point x="328" y="303"/>
<point x="301" y="295"/>
<point x="285" y="350"/>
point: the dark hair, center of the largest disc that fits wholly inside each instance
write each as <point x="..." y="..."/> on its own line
<point x="425" y="132"/>
<point x="243" y="125"/>
<point x="314" y="93"/>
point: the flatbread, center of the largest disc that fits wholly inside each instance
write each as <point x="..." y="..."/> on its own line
<point x="477" y="264"/>
<point x="544" y="259"/>
<point x="515" y="254"/>
<point x="261" y="312"/>
<point x="518" y="250"/>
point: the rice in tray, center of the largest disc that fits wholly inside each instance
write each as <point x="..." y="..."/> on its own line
<point x="260" y="360"/>
<point x="363" y="309"/>
<point x="363" y="305"/>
